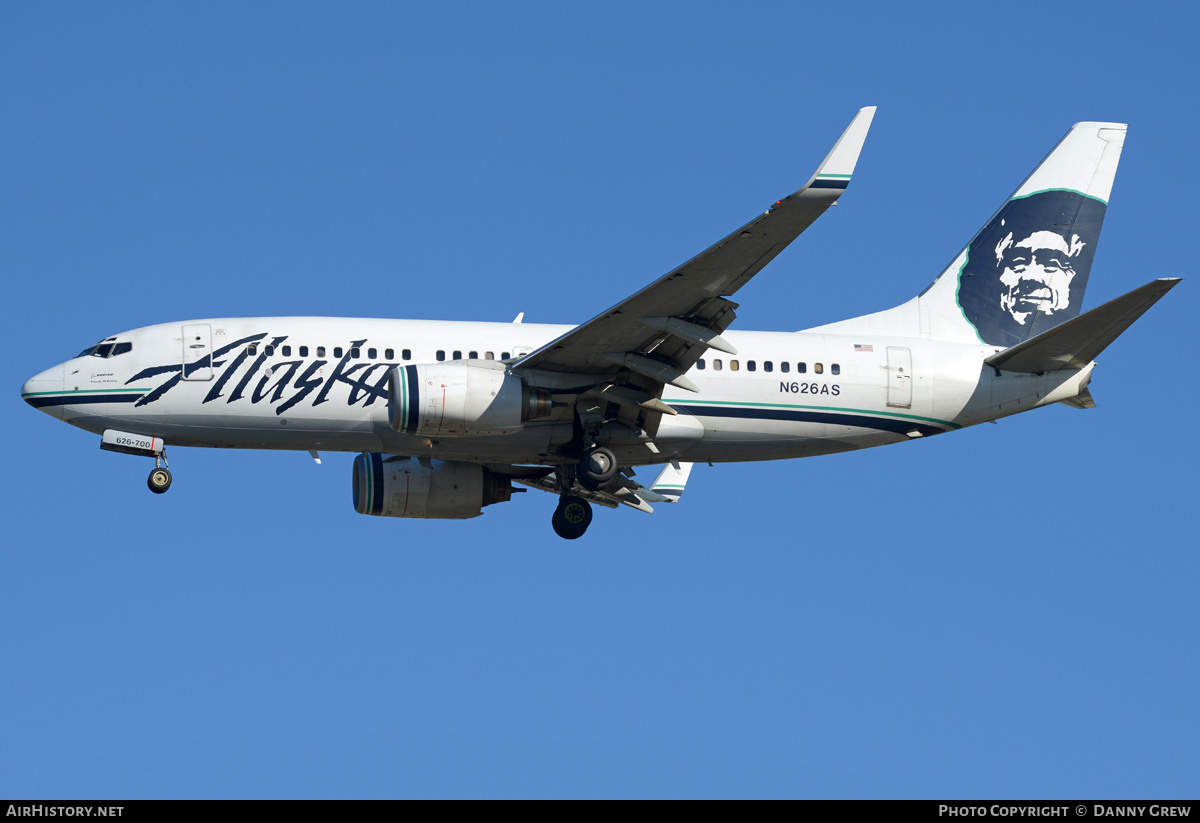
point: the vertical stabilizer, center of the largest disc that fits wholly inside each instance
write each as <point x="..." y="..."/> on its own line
<point x="1026" y="270"/>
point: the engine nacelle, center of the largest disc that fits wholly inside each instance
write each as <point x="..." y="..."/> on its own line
<point x="461" y="399"/>
<point x="406" y="487"/>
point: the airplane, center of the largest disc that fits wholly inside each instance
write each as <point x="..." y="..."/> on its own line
<point x="448" y="416"/>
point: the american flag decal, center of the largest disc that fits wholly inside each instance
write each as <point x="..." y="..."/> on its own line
<point x="860" y="347"/>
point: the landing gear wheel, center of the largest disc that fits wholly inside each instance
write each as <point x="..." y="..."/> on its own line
<point x="572" y="517"/>
<point x="597" y="468"/>
<point x="159" y="480"/>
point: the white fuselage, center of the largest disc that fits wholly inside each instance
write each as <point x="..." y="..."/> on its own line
<point x="312" y="383"/>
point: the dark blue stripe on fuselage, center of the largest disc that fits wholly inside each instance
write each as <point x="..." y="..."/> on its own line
<point x="807" y="416"/>
<point x="829" y="184"/>
<point x="80" y="399"/>
<point x="377" y="486"/>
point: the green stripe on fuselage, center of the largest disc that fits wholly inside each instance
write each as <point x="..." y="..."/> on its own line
<point x="82" y="391"/>
<point x="868" y="412"/>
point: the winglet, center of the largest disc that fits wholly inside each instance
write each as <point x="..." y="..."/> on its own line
<point x="668" y="486"/>
<point x="837" y="167"/>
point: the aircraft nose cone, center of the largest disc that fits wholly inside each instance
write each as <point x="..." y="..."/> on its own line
<point x="41" y="390"/>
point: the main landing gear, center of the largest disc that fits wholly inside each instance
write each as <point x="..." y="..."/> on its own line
<point x="597" y="468"/>
<point x="595" y="472"/>
<point x="160" y="479"/>
<point x="572" y="517"/>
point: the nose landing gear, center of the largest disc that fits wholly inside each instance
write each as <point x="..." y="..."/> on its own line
<point x="160" y="478"/>
<point x="143" y="445"/>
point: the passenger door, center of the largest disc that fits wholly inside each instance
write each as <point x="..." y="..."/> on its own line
<point x="197" y="351"/>
<point x="899" y="377"/>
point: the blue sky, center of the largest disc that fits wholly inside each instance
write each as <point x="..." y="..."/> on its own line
<point x="1006" y="612"/>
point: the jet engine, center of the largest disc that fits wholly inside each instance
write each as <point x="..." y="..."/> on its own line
<point x="460" y="399"/>
<point x="406" y="487"/>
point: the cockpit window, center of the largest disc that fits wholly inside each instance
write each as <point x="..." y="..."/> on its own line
<point x="106" y="350"/>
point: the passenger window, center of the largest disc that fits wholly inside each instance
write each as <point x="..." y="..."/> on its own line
<point x="458" y="355"/>
<point x="801" y="368"/>
<point x="122" y="348"/>
<point x="354" y="352"/>
<point x="337" y="351"/>
<point x="750" y="365"/>
<point x="733" y="365"/>
<point x="505" y="355"/>
<point x="768" y="365"/>
<point x="389" y="354"/>
<point x="269" y="351"/>
<point x="304" y="351"/>
<point x="286" y="351"/>
<point x="716" y="365"/>
<point x="474" y="355"/>
<point x="835" y="369"/>
<point x="372" y="354"/>
<point x="407" y="354"/>
<point x="700" y="364"/>
<point x="487" y="355"/>
<point x="252" y="349"/>
<point x="320" y="351"/>
<point x="818" y="368"/>
<point x="441" y="355"/>
<point x="785" y="367"/>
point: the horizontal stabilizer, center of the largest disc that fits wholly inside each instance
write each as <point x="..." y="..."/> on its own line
<point x="1078" y="341"/>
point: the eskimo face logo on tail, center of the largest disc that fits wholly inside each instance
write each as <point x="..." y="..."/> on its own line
<point x="1037" y="273"/>
<point x="1027" y="269"/>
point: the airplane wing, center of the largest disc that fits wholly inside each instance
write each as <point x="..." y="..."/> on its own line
<point x="659" y="333"/>
<point x="622" y="491"/>
<point x="666" y="488"/>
